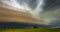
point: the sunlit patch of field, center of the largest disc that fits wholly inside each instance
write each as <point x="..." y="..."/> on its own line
<point x="31" y="30"/>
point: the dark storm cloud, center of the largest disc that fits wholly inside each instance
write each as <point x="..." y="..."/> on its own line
<point x="31" y="3"/>
<point x="51" y="4"/>
<point x="52" y="12"/>
<point x="48" y="4"/>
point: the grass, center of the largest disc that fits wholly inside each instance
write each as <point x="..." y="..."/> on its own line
<point x="31" y="30"/>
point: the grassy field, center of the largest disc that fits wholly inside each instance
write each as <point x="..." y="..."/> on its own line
<point x="31" y="30"/>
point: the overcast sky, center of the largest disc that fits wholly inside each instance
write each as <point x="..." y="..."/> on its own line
<point x="48" y="5"/>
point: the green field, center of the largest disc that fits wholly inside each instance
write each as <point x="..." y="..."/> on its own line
<point x="31" y="30"/>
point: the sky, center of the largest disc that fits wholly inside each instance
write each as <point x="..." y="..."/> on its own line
<point x="32" y="4"/>
<point x="49" y="8"/>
